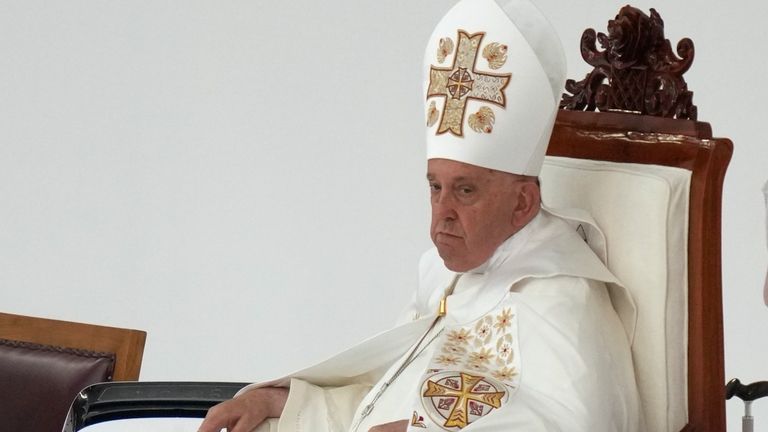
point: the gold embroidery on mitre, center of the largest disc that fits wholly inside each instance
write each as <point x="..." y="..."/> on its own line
<point x="482" y="121"/>
<point x="445" y="47"/>
<point x="461" y="83"/>
<point x="496" y="54"/>
<point x="432" y="114"/>
<point x="454" y="400"/>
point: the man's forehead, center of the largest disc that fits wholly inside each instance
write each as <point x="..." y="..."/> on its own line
<point x="456" y="170"/>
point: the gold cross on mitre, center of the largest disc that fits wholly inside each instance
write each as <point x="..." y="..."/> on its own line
<point x="463" y="396"/>
<point x="461" y="82"/>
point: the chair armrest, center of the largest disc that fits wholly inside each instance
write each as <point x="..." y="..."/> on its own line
<point x="124" y="400"/>
<point x="748" y="392"/>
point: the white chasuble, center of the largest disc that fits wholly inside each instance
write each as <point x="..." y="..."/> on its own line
<point x="530" y="342"/>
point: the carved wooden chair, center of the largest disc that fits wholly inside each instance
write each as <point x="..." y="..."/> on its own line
<point x="651" y="176"/>
<point x="45" y="363"/>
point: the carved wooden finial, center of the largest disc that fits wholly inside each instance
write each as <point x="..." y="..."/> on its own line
<point x="643" y="74"/>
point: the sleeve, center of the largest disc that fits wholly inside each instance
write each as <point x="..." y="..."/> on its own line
<point x="312" y="408"/>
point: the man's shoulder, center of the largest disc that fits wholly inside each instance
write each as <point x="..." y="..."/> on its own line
<point x="562" y="288"/>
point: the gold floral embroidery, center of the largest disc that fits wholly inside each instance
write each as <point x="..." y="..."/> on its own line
<point x="496" y="54"/>
<point x="445" y="47"/>
<point x="460" y="336"/>
<point x="483" y="330"/>
<point x="485" y="347"/>
<point x="505" y="349"/>
<point x="505" y="374"/>
<point x="432" y="114"/>
<point x="482" y="121"/>
<point x="503" y="320"/>
<point x="447" y="360"/>
<point x="477" y="367"/>
<point x="454" y="349"/>
<point x="483" y="356"/>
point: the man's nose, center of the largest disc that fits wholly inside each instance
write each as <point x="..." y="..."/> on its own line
<point x="443" y="206"/>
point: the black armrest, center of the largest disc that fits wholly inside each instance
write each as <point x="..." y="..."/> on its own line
<point x="748" y="392"/>
<point x="124" y="400"/>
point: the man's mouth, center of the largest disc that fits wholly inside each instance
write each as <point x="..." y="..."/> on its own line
<point x="448" y="236"/>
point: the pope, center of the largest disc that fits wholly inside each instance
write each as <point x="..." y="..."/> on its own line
<point x="512" y="326"/>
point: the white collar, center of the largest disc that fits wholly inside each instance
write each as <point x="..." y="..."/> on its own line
<point x="510" y="247"/>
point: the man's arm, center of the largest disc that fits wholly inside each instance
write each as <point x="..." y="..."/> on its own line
<point x="246" y="411"/>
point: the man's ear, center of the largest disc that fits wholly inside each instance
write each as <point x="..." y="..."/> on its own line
<point x="528" y="203"/>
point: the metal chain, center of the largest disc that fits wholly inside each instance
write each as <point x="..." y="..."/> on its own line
<point x="412" y="355"/>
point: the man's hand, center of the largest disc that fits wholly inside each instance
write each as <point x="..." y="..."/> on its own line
<point x="398" y="426"/>
<point x="246" y="411"/>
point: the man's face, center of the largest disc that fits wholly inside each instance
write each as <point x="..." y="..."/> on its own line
<point x="472" y="211"/>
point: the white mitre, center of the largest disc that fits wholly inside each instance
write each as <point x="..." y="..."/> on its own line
<point x="493" y="77"/>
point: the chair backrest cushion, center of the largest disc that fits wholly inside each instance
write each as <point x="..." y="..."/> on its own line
<point x="643" y="212"/>
<point x="39" y="382"/>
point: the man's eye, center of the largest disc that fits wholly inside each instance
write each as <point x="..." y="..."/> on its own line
<point x="466" y="190"/>
<point x="434" y="187"/>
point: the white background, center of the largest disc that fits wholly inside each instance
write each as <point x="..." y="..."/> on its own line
<point x="244" y="180"/>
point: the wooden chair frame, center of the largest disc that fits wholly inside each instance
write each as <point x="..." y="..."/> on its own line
<point x="126" y="344"/>
<point x="648" y="117"/>
<point x="631" y="138"/>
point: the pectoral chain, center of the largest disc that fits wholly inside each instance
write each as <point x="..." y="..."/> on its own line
<point x="413" y="354"/>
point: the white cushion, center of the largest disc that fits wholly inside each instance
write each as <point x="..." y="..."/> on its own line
<point x="643" y="212"/>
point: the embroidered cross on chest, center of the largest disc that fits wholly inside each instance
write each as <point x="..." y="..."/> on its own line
<point x="463" y="399"/>
<point x="461" y="82"/>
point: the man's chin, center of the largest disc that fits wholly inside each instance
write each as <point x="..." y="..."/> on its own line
<point x="451" y="261"/>
<point x="458" y="267"/>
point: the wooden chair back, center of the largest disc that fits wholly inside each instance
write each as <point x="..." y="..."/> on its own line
<point x="45" y="363"/>
<point x="126" y="344"/>
<point x="646" y="116"/>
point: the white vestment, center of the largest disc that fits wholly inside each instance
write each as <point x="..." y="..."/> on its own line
<point x="530" y="342"/>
